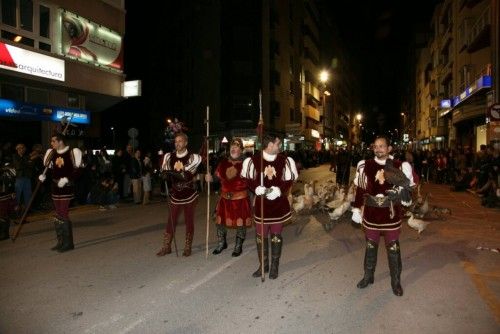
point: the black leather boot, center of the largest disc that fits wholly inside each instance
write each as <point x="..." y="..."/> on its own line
<point x="395" y="267"/>
<point x="258" y="241"/>
<point x="221" y="239"/>
<point x="57" y="226"/>
<point x="67" y="237"/>
<point x="241" y="232"/>
<point x="369" y="264"/>
<point x="276" y="245"/>
<point x="4" y="228"/>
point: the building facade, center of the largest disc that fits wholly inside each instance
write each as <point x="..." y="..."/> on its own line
<point x="59" y="60"/>
<point x="456" y="76"/>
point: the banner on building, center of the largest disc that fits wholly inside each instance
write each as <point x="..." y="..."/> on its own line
<point x="88" y="41"/>
<point x="28" y="62"/>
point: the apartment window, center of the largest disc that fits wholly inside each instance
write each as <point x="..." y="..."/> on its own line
<point x="44" y="19"/>
<point x="291" y="65"/>
<point x="9" y="12"/>
<point x="27" y="19"/>
<point x="26" y="14"/>
<point x="292" y="115"/>
<point x="291" y="88"/>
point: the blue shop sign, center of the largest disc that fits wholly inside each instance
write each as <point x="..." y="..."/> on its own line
<point x="40" y="112"/>
<point x="481" y="83"/>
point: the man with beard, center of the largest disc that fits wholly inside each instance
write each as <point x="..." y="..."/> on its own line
<point x="270" y="174"/>
<point x="379" y="213"/>
<point x="233" y="209"/>
<point x="180" y="166"/>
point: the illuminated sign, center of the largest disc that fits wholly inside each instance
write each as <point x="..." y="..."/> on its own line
<point x="28" y="62"/>
<point x="39" y="112"/>
<point x="315" y="133"/>
<point x="88" y="41"/>
<point x="446" y="103"/>
<point x="132" y="88"/>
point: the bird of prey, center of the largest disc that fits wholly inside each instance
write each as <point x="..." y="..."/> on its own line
<point x="396" y="177"/>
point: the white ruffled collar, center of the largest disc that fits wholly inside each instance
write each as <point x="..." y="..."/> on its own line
<point x="269" y="157"/>
<point x="382" y="162"/>
<point x="63" y="150"/>
<point x="181" y="155"/>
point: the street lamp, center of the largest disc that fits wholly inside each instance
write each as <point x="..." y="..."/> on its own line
<point x="113" y="130"/>
<point x="323" y="78"/>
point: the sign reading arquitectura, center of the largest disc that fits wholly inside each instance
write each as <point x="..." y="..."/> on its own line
<point x="28" y="62"/>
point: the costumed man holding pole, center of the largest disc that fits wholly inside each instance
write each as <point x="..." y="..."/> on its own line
<point x="233" y="208"/>
<point x="383" y="185"/>
<point x="65" y="163"/>
<point x="180" y="166"/>
<point x="270" y="175"/>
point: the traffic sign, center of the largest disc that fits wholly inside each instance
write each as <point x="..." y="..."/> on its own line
<point x="133" y="132"/>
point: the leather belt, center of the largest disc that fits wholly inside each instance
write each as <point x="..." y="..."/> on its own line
<point x="377" y="202"/>
<point x="234" y="195"/>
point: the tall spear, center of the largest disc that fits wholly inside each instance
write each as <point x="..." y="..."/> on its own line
<point x="37" y="187"/>
<point x="207" y="122"/>
<point x="261" y="138"/>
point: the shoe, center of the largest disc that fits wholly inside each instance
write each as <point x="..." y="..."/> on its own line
<point x="112" y="206"/>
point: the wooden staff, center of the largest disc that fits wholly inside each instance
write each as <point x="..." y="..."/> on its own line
<point x="207" y="121"/>
<point x="261" y="128"/>
<point x="37" y="187"/>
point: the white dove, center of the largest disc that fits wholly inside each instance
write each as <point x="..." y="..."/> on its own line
<point x="417" y="224"/>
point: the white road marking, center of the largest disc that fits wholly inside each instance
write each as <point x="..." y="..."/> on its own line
<point x="114" y="318"/>
<point x="214" y="273"/>
<point x="132" y="325"/>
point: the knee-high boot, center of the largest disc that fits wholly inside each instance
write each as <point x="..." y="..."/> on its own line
<point x="276" y="246"/>
<point x="369" y="264"/>
<point x="167" y="244"/>
<point x="221" y="239"/>
<point x="258" y="241"/>
<point x="395" y="267"/>
<point x="4" y="228"/>
<point x="67" y="237"/>
<point x="188" y="244"/>
<point x="241" y="232"/>
<point x="58" y="228"/>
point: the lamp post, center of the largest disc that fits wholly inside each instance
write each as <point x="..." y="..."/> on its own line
<point x="323" y="78"/>
<point x="113" y="130"/>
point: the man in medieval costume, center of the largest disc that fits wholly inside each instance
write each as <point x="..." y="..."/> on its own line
<point x="65" y="163"/>
<point x="180" y="167"/>
<point x="377" y="206"/>
<point x="233" y="208"/>
<point x="270" y="175"/>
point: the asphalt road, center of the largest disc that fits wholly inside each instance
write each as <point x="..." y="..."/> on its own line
<point x="113" y="282"/>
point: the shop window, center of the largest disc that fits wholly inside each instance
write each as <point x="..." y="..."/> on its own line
<point x="73" y="100"/>
<point x="12" y="92"/>
<point x="38" y="96"/>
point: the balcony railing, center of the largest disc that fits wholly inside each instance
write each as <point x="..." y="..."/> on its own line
<point x="478" y="36"/>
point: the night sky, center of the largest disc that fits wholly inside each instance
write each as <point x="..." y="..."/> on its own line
<point x="378" y="35"/>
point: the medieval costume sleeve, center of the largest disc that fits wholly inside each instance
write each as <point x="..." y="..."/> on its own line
<point x="360" y="181"/>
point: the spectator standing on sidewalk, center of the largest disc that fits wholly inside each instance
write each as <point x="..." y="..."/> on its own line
<point x="24" y="170"/>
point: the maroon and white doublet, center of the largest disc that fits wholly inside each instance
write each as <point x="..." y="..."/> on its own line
<point x="279" y="171"/>
<point x="182" y="191"/>
<point x="64" y="163"/>
<point x="377" y="218"/>
<point x="233" y="208"/>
